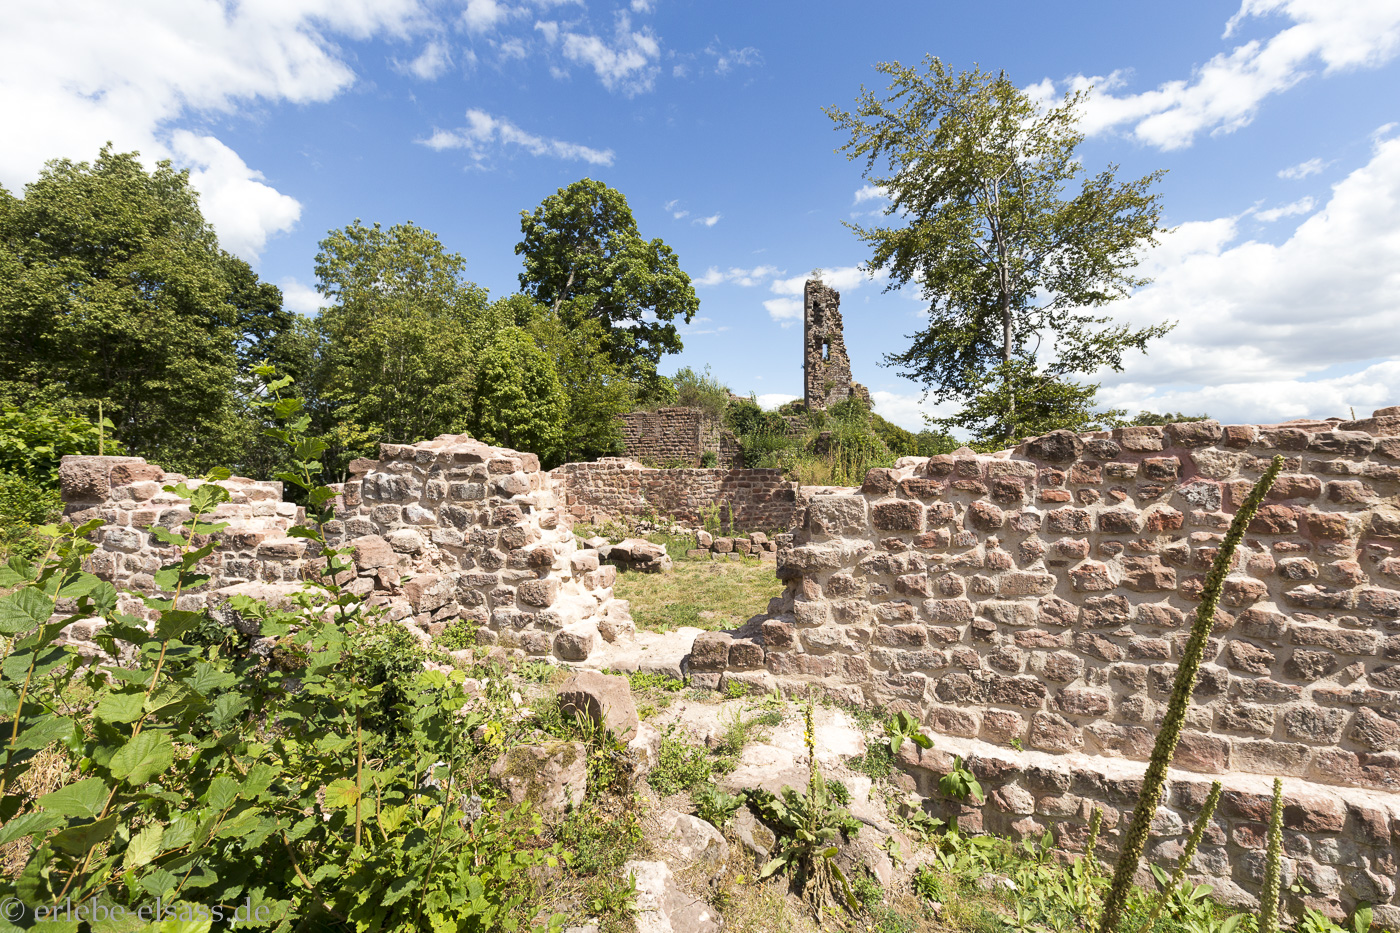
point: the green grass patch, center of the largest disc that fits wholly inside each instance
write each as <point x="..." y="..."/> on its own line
<point x="712" y="595"/>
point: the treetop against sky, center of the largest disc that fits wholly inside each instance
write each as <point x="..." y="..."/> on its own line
<point x="1276" y="123"/>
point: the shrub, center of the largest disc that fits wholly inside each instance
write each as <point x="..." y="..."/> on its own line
<point x="679" y="766"/>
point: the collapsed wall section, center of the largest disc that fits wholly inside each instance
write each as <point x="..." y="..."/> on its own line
<point x="1031" y="608"/>
<point x="617" y="488"/>
<point x="442" y="530"/>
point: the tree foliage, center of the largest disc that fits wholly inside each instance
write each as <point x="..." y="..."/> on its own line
<point x="585" y="259"/>
<point x="976" y="173"/>
<point x="1017" y="401"/>
<point x="702" y="390"/>
<point x="399" y="335"/>
<point x="518" y="401"/>
<point x="113" y="288"/>
<point x="595" y="391"/>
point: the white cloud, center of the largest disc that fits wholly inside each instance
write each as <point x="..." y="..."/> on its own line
<point x="1261" y="325"/>
<point x="484" y="15"/>
<point x="432" y="63"/>
<point x="706" y="221"/>
<point x="870" y="193"/>
<point x="626" y="65"/>
<point x="511" y="48"/>
<point x="771" y="400"/>
<point x="1303" y="169"/>
<point x="484" y="132"/>
<point x="1225" y="93"/>
<point x="303" y="299"/>
<point x="1300" y="206"/>
<point x="727" y="59"/>
<point x="243" y="210"/>
<point x="643" y="6"/>
<point x="673" y="207"/>
<point x="77" y="73"/>
<point x="842" y="278"/>
<point x="734" y="276"/>
<point x="549" y="30"/>
<point x="679" y="71"/>
<point x="786" y="311"/>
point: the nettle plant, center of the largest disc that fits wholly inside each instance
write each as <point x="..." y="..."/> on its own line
<point x="201" y="777"/>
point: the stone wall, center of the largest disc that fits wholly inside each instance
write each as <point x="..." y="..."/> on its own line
<point x="441" y="530"/>
<point x="613" y="488"/>
<point x="1039" y="599"/>
<point x="677" y="435"/>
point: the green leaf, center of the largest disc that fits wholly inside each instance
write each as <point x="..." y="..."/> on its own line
<point x="166" y="536"/>
<point x="175" y="623"/>
<point x="342" y="793"/>
<point x="144" y="757"/>
<point x="43" y="733"/>
<point x="76" y="840"/>
<point x="144" y="847"/>
<point x="772" y="867"/>
<point x="83" y="798"/>
<point x="223" y="791"/>
<point x="121" y="707"/>
<point x="34" y="823"/>
<point x="23" y="610"/>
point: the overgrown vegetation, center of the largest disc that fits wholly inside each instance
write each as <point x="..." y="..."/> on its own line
<point x="335" y="784"/>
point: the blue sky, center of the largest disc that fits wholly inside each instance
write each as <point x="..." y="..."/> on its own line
<point x="1276" y="119"/>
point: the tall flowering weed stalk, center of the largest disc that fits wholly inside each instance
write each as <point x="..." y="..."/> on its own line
<point x="1135" y="837"/>
<point x="809" y="827"/>
<point x="1192" y="843"/>
<point x="1268" y="897"/>
<point x="208" y="777"/>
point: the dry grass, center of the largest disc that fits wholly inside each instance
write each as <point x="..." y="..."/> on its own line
<point x="714" y="595"/>
<point x="47" y="772"/>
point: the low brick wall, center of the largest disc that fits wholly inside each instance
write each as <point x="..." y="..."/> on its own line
<point x="615" y="488"/>
<point x="1040" y="599"/>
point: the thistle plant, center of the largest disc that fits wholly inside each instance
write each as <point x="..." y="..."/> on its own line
<point x="1187" y="854"/>
<point x="1268" y="898"/>
<point x="1135" y="838"/>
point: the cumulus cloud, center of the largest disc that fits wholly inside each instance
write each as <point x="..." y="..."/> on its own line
<point x="233" y="197"/>
<point x="771" y="400"/>
<point x="1225" y="93"/>
<point x="432" y="63"/>
<point x="841" y="278"/>
<point x="485" y="133"/>
<point x="870" y="193"/>
<point x="1303" y="169"/>
<point x="77" y="73"/>
<point x="303" y="299"/>
<point x="1300" y="206"/>
<point x="1265" y="328"/>
<point x="786" y="311"/>
<point x="734" y="276"/>
<point x="484" y="15"/>
<point x="628" y="64"/>
<point x="707" y="221"/>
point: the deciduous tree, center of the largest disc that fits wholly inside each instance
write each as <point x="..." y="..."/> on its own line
<point x="585" y="259"/>
<point x="518" y="401"/>
<point x="976" y="174"/>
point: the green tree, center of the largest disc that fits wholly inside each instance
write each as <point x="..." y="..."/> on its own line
<point x="701" y="390"/>
<point x="114" y="288"/>
<point x="585" y="259"/>
<point x="1017" y="401"/>
<point x="595" y="391"/>
<point x="976" y="173"/>
<point x="518" y="401"/>
<point x="400" y="332"/>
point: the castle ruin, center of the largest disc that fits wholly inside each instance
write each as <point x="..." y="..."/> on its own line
<point x="825" y="365"/>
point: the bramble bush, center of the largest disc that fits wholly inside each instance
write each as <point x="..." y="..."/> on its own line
<point x="205" y="775"/>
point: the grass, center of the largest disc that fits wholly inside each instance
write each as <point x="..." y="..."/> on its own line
<point x="731" y="592"/>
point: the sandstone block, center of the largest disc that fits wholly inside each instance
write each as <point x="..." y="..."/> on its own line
<point x="604" y="699"/>
<point x="902" y="515"/>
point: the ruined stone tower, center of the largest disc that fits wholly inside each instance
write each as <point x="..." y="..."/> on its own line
<point x="825" y="364"/>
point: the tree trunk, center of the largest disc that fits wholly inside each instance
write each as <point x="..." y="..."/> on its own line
<point x="1006" y="338"/>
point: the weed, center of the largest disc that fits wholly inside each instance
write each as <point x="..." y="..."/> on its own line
<point x="679" y="766"/>
<point x="902" y="728"/>
<point x="739" y="732"/>
<point x="877" y="763"/>
<point x="960" y="783"/>
<point x="713" y="805"/>
<point x="458" y="635"/>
